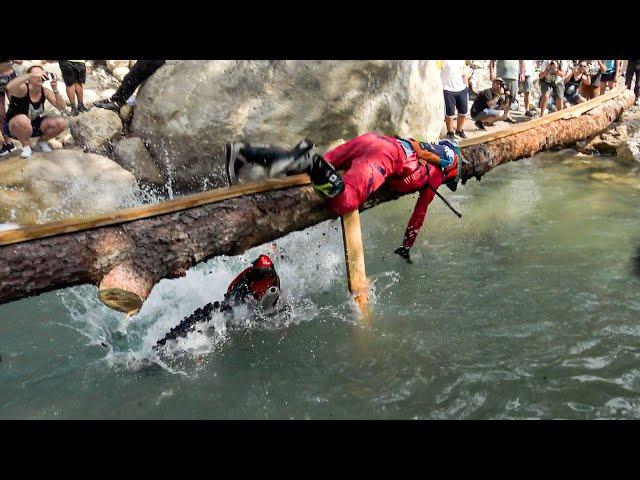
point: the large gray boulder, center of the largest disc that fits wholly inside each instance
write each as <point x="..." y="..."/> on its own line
<point x="96" y="130"/>
<point x="132" y="155"/>
<point x="188" y="110"/>
<point x="63" y="183"/>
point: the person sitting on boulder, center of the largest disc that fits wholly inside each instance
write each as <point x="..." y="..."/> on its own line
<point x="486" y="107"/>
<point x="371" y="159"/>
<point x="142" y="70"/>
<point x="25" y="116"/>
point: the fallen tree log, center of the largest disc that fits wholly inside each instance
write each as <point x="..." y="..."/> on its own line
<point x="126" y="257"/>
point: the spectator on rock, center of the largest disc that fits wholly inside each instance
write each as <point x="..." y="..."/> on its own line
<point x="486" y="107"/>
<point x="526" y="84"/>
<point x="6" y="75"/>
<point x="610" y="75"/>
<point x="74" y="74"/>
<point x="633" y="68"/>
<point x="142" y="70"/>
<point x="456" y="96"/>
<point x="574" y="80"/>
<point x="510" y="71"/>
<point x="25" y="116"/>
<point x="551" y="76"/>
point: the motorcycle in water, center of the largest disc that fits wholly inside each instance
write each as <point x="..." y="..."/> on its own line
<point x="257" y="287"/>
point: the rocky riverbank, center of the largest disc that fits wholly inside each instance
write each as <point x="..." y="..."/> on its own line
<point x="621" y="139"/>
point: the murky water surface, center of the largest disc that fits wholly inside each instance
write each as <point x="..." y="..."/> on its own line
<point x="524" y="308"/>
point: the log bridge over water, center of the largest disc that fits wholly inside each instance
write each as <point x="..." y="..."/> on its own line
<point x="127" y="252"/>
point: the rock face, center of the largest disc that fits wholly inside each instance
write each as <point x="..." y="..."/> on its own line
<point x="113" y="64"/>
<point x="132" y="155"/>
<point x="188" y="110"/>
<point x="96" y="130"/>
<point x="90" y="97"/>
<point x="625" y="129"/>
<point x="120" y="72"/>
<point x="629" y="151"/>
<point x="59" y="184"/>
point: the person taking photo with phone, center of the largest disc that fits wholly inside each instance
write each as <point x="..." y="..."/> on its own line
<point x="25" y="115"/>
<point x="552" y="81"/>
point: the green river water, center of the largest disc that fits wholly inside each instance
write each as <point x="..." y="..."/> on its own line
<point x="526" y="307"/>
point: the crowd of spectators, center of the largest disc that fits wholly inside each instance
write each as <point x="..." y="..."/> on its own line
<point x="562" y="83"/>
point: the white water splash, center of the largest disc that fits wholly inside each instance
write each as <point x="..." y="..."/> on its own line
<point x="311" y="268"/>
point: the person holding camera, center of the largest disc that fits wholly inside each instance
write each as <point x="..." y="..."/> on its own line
<point x="574" y="80"/>
<point x="510" y="71"/>
<point x="552" y="81"/>
<point x="25" y="116"/>
<point x="486" y="107"/>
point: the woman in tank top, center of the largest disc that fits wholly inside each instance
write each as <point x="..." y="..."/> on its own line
<point x="25" y="116"/>
<point x="574" y="79"/>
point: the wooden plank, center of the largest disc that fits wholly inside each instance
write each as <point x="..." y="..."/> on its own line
<point x="570" y="112"/>
<point x="77" y="224"/>
<point x="357" y="280"/>
<point x="128" y="215"/>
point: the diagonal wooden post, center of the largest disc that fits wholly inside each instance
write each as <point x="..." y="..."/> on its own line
<point x="357" y="280"/>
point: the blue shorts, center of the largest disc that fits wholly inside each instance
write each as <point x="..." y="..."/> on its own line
<point x="35" y="124"/>
<point x="456" y="101"/>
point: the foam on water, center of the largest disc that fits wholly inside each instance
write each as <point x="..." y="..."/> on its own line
<point x="310" y="264"/>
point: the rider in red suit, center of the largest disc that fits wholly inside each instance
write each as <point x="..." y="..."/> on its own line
<point x="369" y="160"/>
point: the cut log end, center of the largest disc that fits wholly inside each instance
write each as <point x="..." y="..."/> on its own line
<point x="120" y="300"/>
<point x="125" y="288"/>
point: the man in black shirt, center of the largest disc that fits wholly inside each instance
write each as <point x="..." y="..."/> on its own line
<point x="486" y="107"/>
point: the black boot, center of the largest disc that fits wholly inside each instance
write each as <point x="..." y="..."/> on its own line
<point x="250" y="162"/>
<point x="325" y="178"/>
<point x="108" y="105"/>
<point x="247" y="162"/>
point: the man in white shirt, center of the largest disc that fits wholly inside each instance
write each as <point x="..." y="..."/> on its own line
<point x="456" y="95"/>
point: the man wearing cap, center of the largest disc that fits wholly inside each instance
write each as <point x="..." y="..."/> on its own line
<point x="486" y="107"/>
<point x="552" y="80"/>
<point x="510" y="71"/>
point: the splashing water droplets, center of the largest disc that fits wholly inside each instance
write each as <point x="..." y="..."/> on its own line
<point x="309" y="277"/>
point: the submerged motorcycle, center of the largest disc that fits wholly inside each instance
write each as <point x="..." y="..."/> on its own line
<point x="257" y="287"/>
